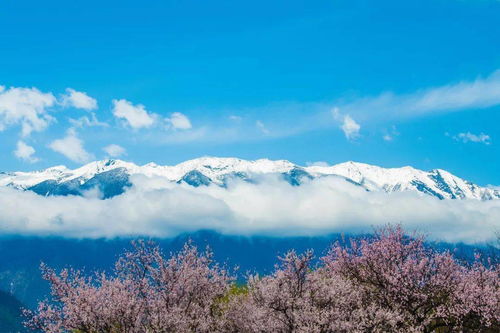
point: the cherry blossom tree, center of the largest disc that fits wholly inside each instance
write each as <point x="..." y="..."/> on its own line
<point x="428" y="290"/>
<point x="298" y="298"/>
<point x="390" y="282"/>
<point x="146" y="293"/>
<point x="386" y="283"/>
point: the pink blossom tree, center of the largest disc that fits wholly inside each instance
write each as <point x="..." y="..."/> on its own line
<point x="298" y="298"/>
<point x="429" y="291"/>
<point x="146" y="293"/>
<point x="387" y="283"/>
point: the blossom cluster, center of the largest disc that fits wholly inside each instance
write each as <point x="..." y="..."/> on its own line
<point x="386" y="283"/>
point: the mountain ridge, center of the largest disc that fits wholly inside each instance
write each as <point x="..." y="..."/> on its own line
<point x="112" y="177"/>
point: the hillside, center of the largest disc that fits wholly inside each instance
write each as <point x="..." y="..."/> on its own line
<point x="10" y="314"/>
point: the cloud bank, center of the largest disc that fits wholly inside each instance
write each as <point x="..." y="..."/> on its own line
<point x="154" y="207"/>
<point x="478" y="94"/>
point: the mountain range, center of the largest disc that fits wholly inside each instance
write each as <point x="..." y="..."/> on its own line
<point x="112" y="177"/>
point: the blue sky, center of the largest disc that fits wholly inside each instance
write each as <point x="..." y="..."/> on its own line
<point x="390" y="83"/>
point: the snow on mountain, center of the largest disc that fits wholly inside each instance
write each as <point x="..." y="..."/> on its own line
<point x="112" y="177"/>
<point x="439" y="183"/>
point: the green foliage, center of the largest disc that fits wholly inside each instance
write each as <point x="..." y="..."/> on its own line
<point x="235" y="290"/>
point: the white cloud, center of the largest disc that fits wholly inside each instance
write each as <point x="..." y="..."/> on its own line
<point x="477" y="94"/>
<point x="363" y="111"/>
<point x="155" y="207"/>
<point x="79" y="100"/>
<point x="114" y="150"/>
<point x="135" y="115"/>
<point x="235" y="118"/>
<point x="391" y="134"/>
<point x="26" y="107"/>
<point x="71" y="147"/>
<point x="88" y="122"/>
<point x="25" y="152"/>
<point x="350" y="128"/>
<point x="348" y="125"/>
<point x="477" y="138"/>
<point x="179" y="121"/>
<point x="262" y="128"/>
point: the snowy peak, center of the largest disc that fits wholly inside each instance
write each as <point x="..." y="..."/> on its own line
<point x="235" y="164"/>
<point x="218" y="169"/>
<point x="439" y="183"/>
<point x="111" y="176"/>
<point x="90" y="170"/>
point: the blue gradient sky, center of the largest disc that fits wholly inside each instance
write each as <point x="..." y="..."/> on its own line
<point x="260" y="79"/>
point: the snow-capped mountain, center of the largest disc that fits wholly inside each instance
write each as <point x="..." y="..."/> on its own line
<point x="112" y="177"/>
